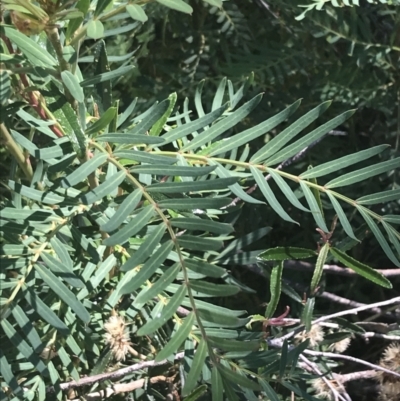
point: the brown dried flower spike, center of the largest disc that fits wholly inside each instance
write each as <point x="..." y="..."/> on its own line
<point x="117" y="337"/>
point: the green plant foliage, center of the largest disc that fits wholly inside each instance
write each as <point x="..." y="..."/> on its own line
<point x="119" y="227"/>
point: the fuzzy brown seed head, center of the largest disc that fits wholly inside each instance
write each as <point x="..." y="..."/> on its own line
<point x="26" y="23"/>
<point x="323" y="391"/>
<point x="315" y="335"/>
<point x="117" y="337"/>
<point x="390" y="384"/>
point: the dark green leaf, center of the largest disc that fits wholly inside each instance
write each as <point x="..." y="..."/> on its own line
<point x="252" y="133"/>
<point x="148" y="269"/>
<point x="196" y="368"/>
<point x="307" y="315"/>
<point x="194" y="203"/>
<point x="197" y="243"/>
<point x="163" y="170"/>
<point x="319" y="267"/>
<point x="236" y="378"/>
<point x="303" y="142"/>
<point x="196" y="224"/>
<point x="222" y="126"/>
<point x="145" y="250"/>
<point x="213" y="290"/>
<point x="279" y="141"/>
<point x="159" y="286"/>
<point x="63" y="292"/>
<point x="63" y="271"/>
<point x="128" y="138"/>
<point x="178" y="5"/>
<point x="136" y="12"/>
<point x="104" y="188"/>
<point x="217" y="389"/>
<point x="144" y="157"/>
<point x="152" y="325"/>
<point x="205" y="268"/>
<point x="379" y="197"/>
<point x="101" y="6"/>
<point x="275" y="287"/>
<point x="314" y="207"/>
<point x="72" y="84"/>
<point x="192" y="186"/>
<point x="133" y="227"/>
<point x="269" y="194"/>
<point x="102" y="123"/>
<point x="106" y="76"/>
<point x="49" y="198"/>
<point x="8" y="376"/>
<point x="364" y="173"/>
<point x="234" y="345"/>
<point x="338" y="164"/>
<point x="177" y="339"/>
<point x="286" y="253"/>
<point x="360" y="268"/>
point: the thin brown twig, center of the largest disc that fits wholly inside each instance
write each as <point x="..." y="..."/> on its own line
<point x="117" y="374"/>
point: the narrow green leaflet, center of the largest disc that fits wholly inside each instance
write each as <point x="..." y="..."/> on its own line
<point x="248" y="135"/>
<point x="63" y="271"/>
<point x="392" y="218"/>
<point x="200" y="287"/>
<point x="124" y="210"/>
<point x="208" y="269"/>
<point x="163" y="170"/>
<point x="360" y="268"/>
<point x="287" y="191"/>
<point x="378" y="235"/>
<point x="178" y="338"/>
<point x="66" y="361"/>
<point x="101" y="6"/>
<point x="159" y="286"/>
<point x="49" y="198"/>
<point x="33" y="52"/>
<point x="236" y="378"/>
<point x="104" y="188"/>
<point x="196" y="368"/>
<point x="29" y="214"/>
<point x="106" y="76"/>
<point x="394" y="236"/>
<point x="222" y="126"/>
<point x="194" y="203"/>
<point x="380" y="197"/>
<point x="314" y="207"/>
<point x="72" y="84"/>
<point x="269" y="194"/>
<point x="196" y="224"/>
<point x="364" y="173"/>
<point x="193" y="126"/>
<point x="222" y="172"/>
<point x="63" y="292"/>
<point x="136" y="12"/>
<point x="234" y="345"/>
<point x="268" y="390"/>
<point x="149" y="268"/>
<point x="23" y="347"/>
<point x="8" y="376"/>
<point x="102" y="123"/>
<point x="217" y="388"/>
<point x="73" y="129"/>
<point x="303" y="142"/>
<point x="133" y="227"/>
<point x="144" y="157"/>
<point x="319" y="267"/>
<point x="197" y="243"/>
<point x="285" y="253"/>
<point x="279" y="141"/>
<point x="85" y="169"/>
<point x="218" y="317"/>
<point x="145" y="250"/>
<point x="307" y="314"/>
<point x="128" y="138"/>
<point x="192" y="186"/>
<point x="275" y="287"/>
<point x="159" y="125"/>
<point x="342" y="215"/>
<point x="152" y="325"/>
<point x="178" y="5"/>
<point x="27" y="328"/>
<point x="44" y="311"/>
<point x="338" y="164"/>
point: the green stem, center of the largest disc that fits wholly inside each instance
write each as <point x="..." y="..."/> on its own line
<point x="14" y="149"/>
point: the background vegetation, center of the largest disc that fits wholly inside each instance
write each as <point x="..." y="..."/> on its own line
<point x="123" y="248"/>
